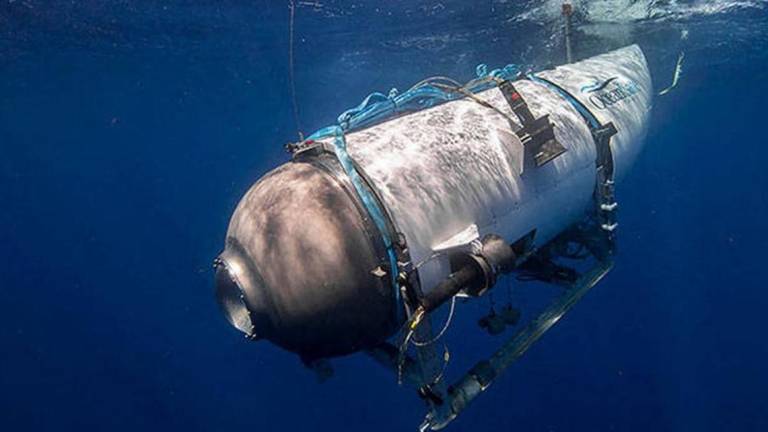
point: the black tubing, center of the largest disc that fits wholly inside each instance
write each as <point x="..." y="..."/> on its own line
<point x="468" y="276"/>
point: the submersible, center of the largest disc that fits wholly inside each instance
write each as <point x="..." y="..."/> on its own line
<point x="415" y="198"/>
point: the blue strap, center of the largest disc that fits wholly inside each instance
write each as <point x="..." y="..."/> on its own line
<point x="369" y="201"/>
<point x="377" y="106"/>
<point x="590" y="118"/>
<point x="369" y="103"/>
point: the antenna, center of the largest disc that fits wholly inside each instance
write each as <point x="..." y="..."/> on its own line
<point x="567" y="13"/>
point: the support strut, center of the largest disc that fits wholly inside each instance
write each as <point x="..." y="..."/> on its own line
<point x="485" y="372"/>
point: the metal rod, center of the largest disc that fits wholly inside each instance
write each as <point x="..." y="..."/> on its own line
<point x="567" y="13"/>
<point x="484" y="373"/>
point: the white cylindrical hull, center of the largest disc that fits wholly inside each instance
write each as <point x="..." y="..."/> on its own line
<point x="457" y="170"/>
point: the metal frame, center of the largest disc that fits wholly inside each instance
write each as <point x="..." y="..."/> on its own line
<point x="425" y="372"/>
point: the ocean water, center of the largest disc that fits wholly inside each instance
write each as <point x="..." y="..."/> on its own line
<point x="129" y="130"/>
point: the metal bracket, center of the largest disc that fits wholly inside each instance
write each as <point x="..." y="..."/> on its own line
<point x="536" y="134"/>
<point x="605" y="200"/>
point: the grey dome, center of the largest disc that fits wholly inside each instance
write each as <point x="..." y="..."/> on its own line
<point x="296" y="269"/>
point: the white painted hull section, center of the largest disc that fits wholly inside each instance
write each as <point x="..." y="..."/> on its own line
<point x="444" y="169"/>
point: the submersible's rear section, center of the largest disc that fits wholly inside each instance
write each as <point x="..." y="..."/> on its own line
<point x="329" y="253"/>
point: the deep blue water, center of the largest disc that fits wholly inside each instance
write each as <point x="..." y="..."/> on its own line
<point x="130" y="129"/>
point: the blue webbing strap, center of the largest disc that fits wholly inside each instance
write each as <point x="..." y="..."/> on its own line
<point x="369" y="201"/>
<point x="378" y="107"/>
<point x="601" y="134"/>
<point x="590" y="118"/>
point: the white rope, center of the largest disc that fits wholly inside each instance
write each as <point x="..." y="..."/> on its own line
<point x="442" y="332"/>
